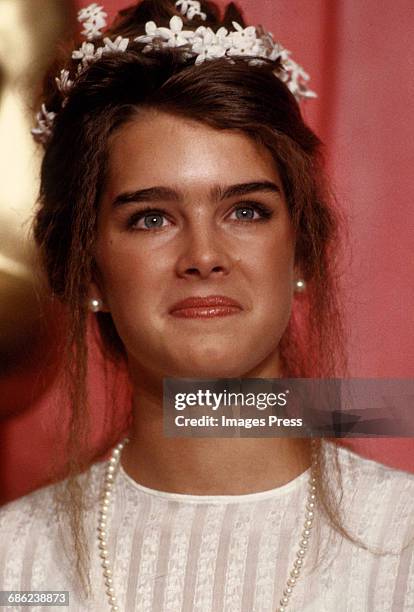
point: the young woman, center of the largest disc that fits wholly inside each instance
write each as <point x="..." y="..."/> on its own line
<point x="183" y="207"/>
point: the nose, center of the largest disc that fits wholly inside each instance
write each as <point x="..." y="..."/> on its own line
<point x="203" y="252"/>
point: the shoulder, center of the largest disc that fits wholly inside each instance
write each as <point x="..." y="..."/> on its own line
<point x="27" y="508"/>
<point x="40" y="507"/>
<point x="36" y="549"/>
<point x="376" y="499"/>
<point x="368" y="471"/>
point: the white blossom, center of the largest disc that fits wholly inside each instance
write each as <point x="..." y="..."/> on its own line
<point x="296" y="80"/>
<point x="63" y="82"/>
<point x="150" y="33"/>
<point x="92" y="29"/>
<point x="43" y="131"/>
<point x="190" y="9"/>
<point x="271" y="50"/>
<point x="240" y="34"/>
<point x="93" y="19"/>
<point x="249" y="32"/>
<point x="86" y="52"/>
<point x="246" y="48"/>
<point x="113" y="46"/>
<point x="244" y="41"/>
<point x="209" y="45"/>
<point x="90" y="12"/>
<point x="175" y="36"/>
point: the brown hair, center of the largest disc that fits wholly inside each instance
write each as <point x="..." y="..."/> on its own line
<point x="236" y="96"/>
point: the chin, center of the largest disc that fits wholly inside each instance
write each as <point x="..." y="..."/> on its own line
<point x="220" y="368"/>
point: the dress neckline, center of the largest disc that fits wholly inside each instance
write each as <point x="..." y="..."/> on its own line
<point x="277" y="492"/>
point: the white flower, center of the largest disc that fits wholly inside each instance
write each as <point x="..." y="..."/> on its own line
<point x="246" y="34"/>
<point x="271" y="49"/>
<point x="295" y="78"/>
<point x="93" y="18"/>
<point x="63" y="82"/>
<point x="222" y="37"/>
<point x="244" y="41"/>
<point x="93" y="11"/>
<point x="151" y="33"/>
<point x="92" y="29"/>
<point x="307" y="93"/>
<point x="44" y="128"/>
<point x="245" y="48"/>
<point x="85" y="53"/>
<point x="113" y="46"/>
<point x="209" y="45"/>
<point x="190" y="9"/>
<point x="175" y="36"/>
<point x="278" y="52"/>
<point x="249" y="32"/>
<point x="184" y="4"/>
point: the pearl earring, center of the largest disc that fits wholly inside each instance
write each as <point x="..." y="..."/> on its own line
<point x="95" y="304"/>
<point x="300" y="285"/>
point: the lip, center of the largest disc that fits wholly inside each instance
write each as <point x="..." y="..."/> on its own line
<point x="207" y="306"/>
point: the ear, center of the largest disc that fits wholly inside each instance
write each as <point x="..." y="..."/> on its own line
<point x="94" y="293"/>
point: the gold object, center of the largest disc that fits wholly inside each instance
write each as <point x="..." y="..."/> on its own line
<point x="29" y="32"/>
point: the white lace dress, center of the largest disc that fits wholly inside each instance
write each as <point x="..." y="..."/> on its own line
<point x="181" y="553"/>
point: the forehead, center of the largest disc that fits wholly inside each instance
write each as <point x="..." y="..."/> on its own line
<point x="159" y="148"/>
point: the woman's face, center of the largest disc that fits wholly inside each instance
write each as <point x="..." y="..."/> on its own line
<point x="191" y="211"/>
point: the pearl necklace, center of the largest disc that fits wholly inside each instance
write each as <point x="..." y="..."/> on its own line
<point x="111" y="469"/>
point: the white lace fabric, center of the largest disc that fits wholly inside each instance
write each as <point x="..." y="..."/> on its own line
<point x="184" y="553"/>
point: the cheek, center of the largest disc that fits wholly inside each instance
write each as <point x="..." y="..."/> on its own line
<point x="271" y="268"/>
<point x="272" y="260"/>
<point x="124" y="267"/>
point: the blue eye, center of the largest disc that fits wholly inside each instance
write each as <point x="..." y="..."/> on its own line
<point x="153" y="218"/>
<point x="249" y="210"/>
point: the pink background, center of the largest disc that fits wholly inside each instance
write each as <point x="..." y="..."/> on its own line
<point x="360" y="56"/>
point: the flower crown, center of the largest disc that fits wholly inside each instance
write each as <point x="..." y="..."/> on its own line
<point x="253" y="43"/>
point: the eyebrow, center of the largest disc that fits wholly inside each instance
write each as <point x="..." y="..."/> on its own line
<point x="217" y="193"/>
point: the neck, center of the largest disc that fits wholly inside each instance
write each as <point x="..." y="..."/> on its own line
<point x="205" y="466"/>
